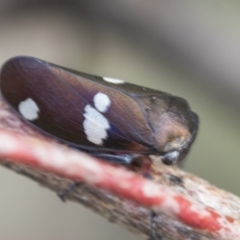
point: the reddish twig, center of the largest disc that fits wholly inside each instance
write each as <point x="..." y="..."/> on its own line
<point x="181" y="202"/>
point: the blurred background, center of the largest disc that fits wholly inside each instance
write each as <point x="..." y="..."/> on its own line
<point x="187" y="48"/>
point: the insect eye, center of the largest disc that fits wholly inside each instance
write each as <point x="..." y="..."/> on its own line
<point x="170" y="158"/>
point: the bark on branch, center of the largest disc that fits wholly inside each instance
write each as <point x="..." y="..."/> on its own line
<point x="187" y="207"/>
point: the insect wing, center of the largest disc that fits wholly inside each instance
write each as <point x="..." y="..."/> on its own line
<point x="81" y="109"/>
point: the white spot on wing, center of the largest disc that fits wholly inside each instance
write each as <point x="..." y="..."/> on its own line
<point x="101" y="102"/>
<point x="29" y="109"/>
<point x="113" y="80"/>
<point x="95" y="125"/>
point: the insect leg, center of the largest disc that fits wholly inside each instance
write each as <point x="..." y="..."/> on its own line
<point x="123" y="159"/>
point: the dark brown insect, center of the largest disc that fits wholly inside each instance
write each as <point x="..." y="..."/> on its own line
<point x="105" y="117"/>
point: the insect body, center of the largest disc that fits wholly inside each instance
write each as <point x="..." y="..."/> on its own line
<point x="103" y="116"/>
